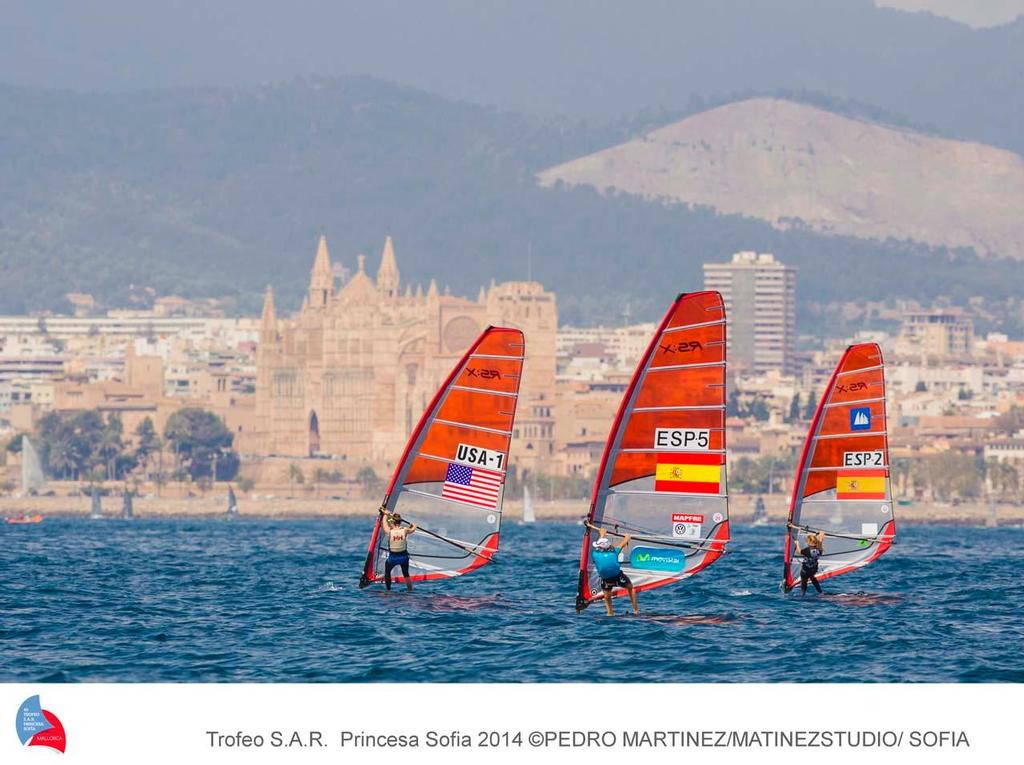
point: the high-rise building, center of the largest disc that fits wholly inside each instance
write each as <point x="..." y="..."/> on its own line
<point x="938" y="332"/>
<point x="760" y="304"/>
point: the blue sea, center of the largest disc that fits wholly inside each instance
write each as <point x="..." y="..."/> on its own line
<point x="277" y="600"/>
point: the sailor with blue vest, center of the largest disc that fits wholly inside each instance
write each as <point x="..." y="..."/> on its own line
<point x="606" y="560"/>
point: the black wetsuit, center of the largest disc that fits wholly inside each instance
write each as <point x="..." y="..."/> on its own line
<point x="809" y="567"/>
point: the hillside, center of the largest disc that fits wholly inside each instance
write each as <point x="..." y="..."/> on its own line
<point x="219" y="192"/>
<point x="794" y="165"/>
<point x="603" y="59"/>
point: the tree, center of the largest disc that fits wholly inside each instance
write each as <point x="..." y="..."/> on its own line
<point x="295" y="476"/>
<point x="732" y="406"/>
<point x="794" y="408"/>
<point x="758" y="409"/>
<point x="369" y="481"/>
<point x="147" y="441"/>
<point x="810" y="408"/>
<point x="199" y="438"/>
<point x="83" y="444"/>
<point x="1011" y="421"/>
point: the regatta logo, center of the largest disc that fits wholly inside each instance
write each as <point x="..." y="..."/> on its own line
<point x="657" y="559"/>
<point x="39" y="727"/>
<point x="852" y="387"/>
<point x="860" y="418"/>
<point x="683" y="347"/>
<point x="483" y="374"/>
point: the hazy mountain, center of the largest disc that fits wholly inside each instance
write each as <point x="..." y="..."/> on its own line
<point x="796" y="165"/>
<point x="977" y="13"/>
<point x="218" y="192"/>
<point x="600" y="59"/>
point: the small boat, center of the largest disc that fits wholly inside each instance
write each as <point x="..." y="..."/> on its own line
<point x="24" y="518"/>
<point x="96" y="510"/>
<point x="127" y="510"/>
<point x="32" y="477"/>
<point x="232" y="512"/>
<point x="760" y="514"/>
<point x="528" y="514"/>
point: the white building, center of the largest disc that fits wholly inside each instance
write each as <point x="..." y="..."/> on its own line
<point x="760" y="303"/>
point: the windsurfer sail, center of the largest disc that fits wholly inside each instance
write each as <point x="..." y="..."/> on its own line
<point x="127" y="509"/>
<point x="662" y="478"/>
<point x="528" y="515"/>
<point x="842" y="482"/>
<point x="232" y="503"/>
<point x="32" y="478"/>
<point x="450" y="479"/>
<point x="96" y="505"/>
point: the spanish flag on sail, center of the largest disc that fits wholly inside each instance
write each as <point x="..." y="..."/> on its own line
<point x="689" y="473"/>
<point x="862" y="484"/>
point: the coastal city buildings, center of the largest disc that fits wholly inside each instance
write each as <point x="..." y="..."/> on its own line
<point x="351" y="373"/>
<point x="762" y="329"/>
<point x="336" y="387"/>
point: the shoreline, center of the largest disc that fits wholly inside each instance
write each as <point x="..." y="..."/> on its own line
<point x="214" y="505"/>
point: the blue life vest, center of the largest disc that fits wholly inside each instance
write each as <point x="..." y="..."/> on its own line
<point x="607" y="563"/>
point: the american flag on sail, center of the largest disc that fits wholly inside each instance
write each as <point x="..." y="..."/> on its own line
<point x="472" y="485"/>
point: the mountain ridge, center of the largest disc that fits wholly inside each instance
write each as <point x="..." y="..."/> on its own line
<point x="796" y="165"/>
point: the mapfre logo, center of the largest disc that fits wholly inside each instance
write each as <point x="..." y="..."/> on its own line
<point x="40" y="727"/>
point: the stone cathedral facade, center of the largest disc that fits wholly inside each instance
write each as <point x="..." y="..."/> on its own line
<point x="349" y="375"/>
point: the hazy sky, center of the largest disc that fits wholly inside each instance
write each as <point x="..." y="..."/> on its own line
<point x="977" y="13"/>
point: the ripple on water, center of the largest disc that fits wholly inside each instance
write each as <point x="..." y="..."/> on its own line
<point x="166" y="600"/>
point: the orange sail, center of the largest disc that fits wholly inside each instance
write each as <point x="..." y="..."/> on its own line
<point x="662" y="479"/>
<point x="842" y="483"/>
<point x="450" y="480"/>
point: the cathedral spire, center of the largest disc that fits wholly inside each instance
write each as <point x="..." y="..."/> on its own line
<point x="321" y="281"/>
<point x="387" y="275"/>
<point x="268" y="321"/>
<point x="432" y="290"/>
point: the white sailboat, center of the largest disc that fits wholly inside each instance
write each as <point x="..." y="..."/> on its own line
<point x="528" y="514"/>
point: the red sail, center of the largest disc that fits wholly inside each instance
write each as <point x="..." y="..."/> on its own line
<point x="662" y="478"/>
<point x="842" y="482"/>
<point x="450" y="479"/>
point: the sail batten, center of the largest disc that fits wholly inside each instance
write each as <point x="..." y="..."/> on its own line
<point x="663" y="472"/>
<point x="842" y="485"/>
<point x="450" y="479"/>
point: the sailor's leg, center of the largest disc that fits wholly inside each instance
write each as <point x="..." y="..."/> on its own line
<point x="814" y="581"/>
<point x="803" y="583"/>
<point x="632" y="598"/>
<point x="405" y="573"/>
<point x="608" y="602"/>
<point x="387" y="573"/>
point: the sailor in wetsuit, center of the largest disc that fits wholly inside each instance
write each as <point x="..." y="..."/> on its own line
<point x="398" y="550"/>
<point x="606" y="561"/>
<point x="810" y="554"/>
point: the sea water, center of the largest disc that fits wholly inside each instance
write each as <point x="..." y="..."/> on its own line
<point x="277" y="600"/>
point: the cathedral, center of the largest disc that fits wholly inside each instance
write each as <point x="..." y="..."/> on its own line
<point x="349" y="375"/>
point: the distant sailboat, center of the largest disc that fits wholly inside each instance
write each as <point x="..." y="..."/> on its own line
<point x="32" y="478"/>
<point x="232" y="504"/>
<point x="127" y="510"/>
<point x="760" y="514"/>
<point x="97" y="505"/>
<point x="528" y="515"/>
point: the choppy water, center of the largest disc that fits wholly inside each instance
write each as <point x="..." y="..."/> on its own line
<point x="263" y="600"/>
